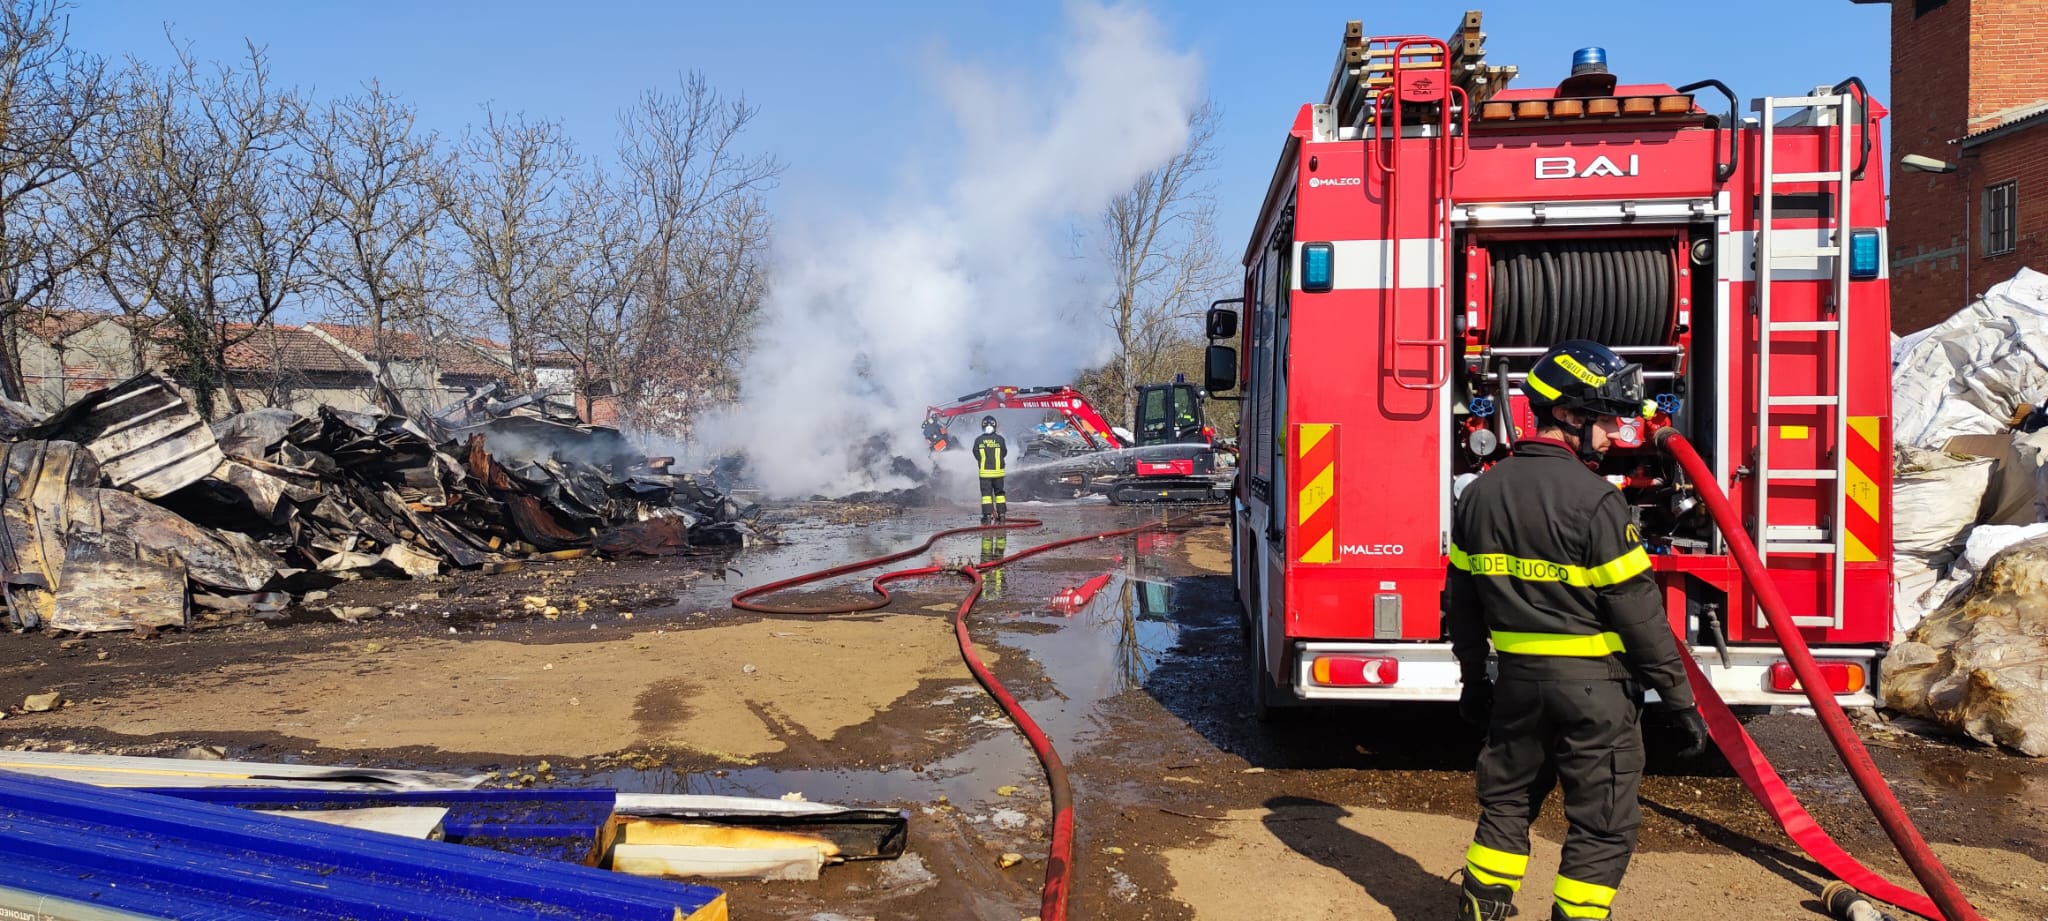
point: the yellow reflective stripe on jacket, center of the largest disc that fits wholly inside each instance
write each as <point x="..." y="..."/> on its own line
<point x="1556" y="644"/>
<point x="1612" y="572"/>
<point x="1620" y="569"/>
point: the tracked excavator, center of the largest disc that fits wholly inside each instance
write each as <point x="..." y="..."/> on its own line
<point x="1065" y="449"/>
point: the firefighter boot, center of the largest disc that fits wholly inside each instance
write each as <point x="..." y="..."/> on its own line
<point x="1557" y="913"/>
<point x="1478" y="901"/>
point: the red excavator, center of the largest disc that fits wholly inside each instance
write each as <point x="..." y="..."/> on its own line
<point x="1066" y="449"/>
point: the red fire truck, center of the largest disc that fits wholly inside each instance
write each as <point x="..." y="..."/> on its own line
<point x="1429" y="232"/>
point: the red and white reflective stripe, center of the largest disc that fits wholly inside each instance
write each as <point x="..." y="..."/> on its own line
<point x="1367" y="265"/>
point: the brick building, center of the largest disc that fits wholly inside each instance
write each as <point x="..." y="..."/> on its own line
<point x="1970" y="108"/>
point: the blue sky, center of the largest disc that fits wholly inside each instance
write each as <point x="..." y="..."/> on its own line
<point x="846" y="90"/>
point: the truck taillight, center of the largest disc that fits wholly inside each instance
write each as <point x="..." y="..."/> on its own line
<point x="1841" y="677"/>
<point x="1355" y="671"/>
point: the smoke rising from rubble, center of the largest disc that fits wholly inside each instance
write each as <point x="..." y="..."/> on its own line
<point x="972" y="279"/>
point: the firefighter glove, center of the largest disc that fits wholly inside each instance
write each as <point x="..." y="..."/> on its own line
<point x="1694" y="729"/>
<point x="1475" y="702"/>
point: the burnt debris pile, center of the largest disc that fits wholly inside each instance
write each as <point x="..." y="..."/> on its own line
<point x="126" y="510"/>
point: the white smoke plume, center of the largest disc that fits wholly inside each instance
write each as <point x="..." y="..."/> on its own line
<point x="974" y="280"/>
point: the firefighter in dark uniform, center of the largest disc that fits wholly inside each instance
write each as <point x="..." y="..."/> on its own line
<point x="990" y="453"/>
<point x="1546" y="565"/>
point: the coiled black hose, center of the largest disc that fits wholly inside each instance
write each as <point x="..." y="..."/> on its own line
<point x="1617" y="292"/>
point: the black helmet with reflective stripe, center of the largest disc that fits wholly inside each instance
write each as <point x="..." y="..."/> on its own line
<point x="988" y="422"/>
<point x="1587" y="377"/>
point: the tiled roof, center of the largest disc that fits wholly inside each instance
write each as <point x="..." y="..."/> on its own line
<point x="51" y="325"/>
<point x="288" y="348"/>
<point x="451" y="358"/>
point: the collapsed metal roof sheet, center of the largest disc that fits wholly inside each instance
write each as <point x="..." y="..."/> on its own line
<point x="146" y="437"/>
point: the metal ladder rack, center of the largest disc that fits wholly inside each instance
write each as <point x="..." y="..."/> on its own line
<point x="1829" y="536"/>
<point x="1367" y="65"/>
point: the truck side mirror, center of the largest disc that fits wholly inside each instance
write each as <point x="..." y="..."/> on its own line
<point x="1222" y="323"/>
<point x="1219" y="366"/>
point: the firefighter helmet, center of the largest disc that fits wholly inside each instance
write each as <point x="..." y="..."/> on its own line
<point x="1587" y="377"/>
<point x="988" y="423"/>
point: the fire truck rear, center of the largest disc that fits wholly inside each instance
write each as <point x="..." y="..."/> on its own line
<point x="1430" y="232"/>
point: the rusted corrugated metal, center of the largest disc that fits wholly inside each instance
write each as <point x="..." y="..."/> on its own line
<point x="46" y="490"/>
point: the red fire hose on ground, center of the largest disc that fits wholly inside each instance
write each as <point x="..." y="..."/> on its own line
<point x="1059" y="851"/>
<point x="1947" y="902"/>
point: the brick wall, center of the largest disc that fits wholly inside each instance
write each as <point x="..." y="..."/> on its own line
<point x="1926" y="290"/>
<point x="2007" y="66"/>
<point x="1930" y="105"/>
<point x="2021" y="157"/>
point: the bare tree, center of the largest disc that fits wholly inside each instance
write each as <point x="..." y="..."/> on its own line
<point x="207" y="220"/>
<point x="722" y="307"/>
<point x="50" y="94"/>
<point x="377" y="176"/>
<point x="693" y="201"/>
<point x="1164" y="263"/>
<point x="506" y="192"/>
<point x="594" y="311"/>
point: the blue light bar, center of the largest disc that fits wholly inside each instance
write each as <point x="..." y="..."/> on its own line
<point x="1865" y="257"/>
<point x="1592" y="59"/>
<point x="1318" y="267"/>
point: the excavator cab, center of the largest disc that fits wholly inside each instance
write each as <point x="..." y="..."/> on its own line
<point x="1171" y="414"/>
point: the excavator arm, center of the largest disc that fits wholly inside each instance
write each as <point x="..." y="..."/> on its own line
<point x="1068" y="402"/>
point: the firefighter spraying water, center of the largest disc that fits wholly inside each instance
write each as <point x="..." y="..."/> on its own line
<point x="1070" y="451"/>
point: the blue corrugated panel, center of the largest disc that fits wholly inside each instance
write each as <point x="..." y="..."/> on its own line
<point x="560" y="824"/>
<point x="172" y="858"/>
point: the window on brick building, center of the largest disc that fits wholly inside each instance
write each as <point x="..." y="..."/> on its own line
<point x="1923" y="7"/>
<point x="2000" y="217"/>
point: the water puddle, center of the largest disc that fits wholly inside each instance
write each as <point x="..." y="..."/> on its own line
<point x="1094" y="621"/>
<point x="1977" y="777"/>
<point x="814" y="543"/>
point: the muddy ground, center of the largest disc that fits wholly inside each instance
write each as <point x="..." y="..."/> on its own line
<point x="643" y="678"/>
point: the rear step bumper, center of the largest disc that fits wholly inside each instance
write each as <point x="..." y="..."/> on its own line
<point x="1428" y="672"/>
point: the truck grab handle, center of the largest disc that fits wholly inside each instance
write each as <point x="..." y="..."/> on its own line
<point x="1726" y="168"/>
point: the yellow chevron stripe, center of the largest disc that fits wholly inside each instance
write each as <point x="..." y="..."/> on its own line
<point x="1310" y="434"/>
<point x="1322" y="551"/>
<point x="1320" y="490"/>
<point x="1857" y="551"/>
<point x="1861" y="489"/>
